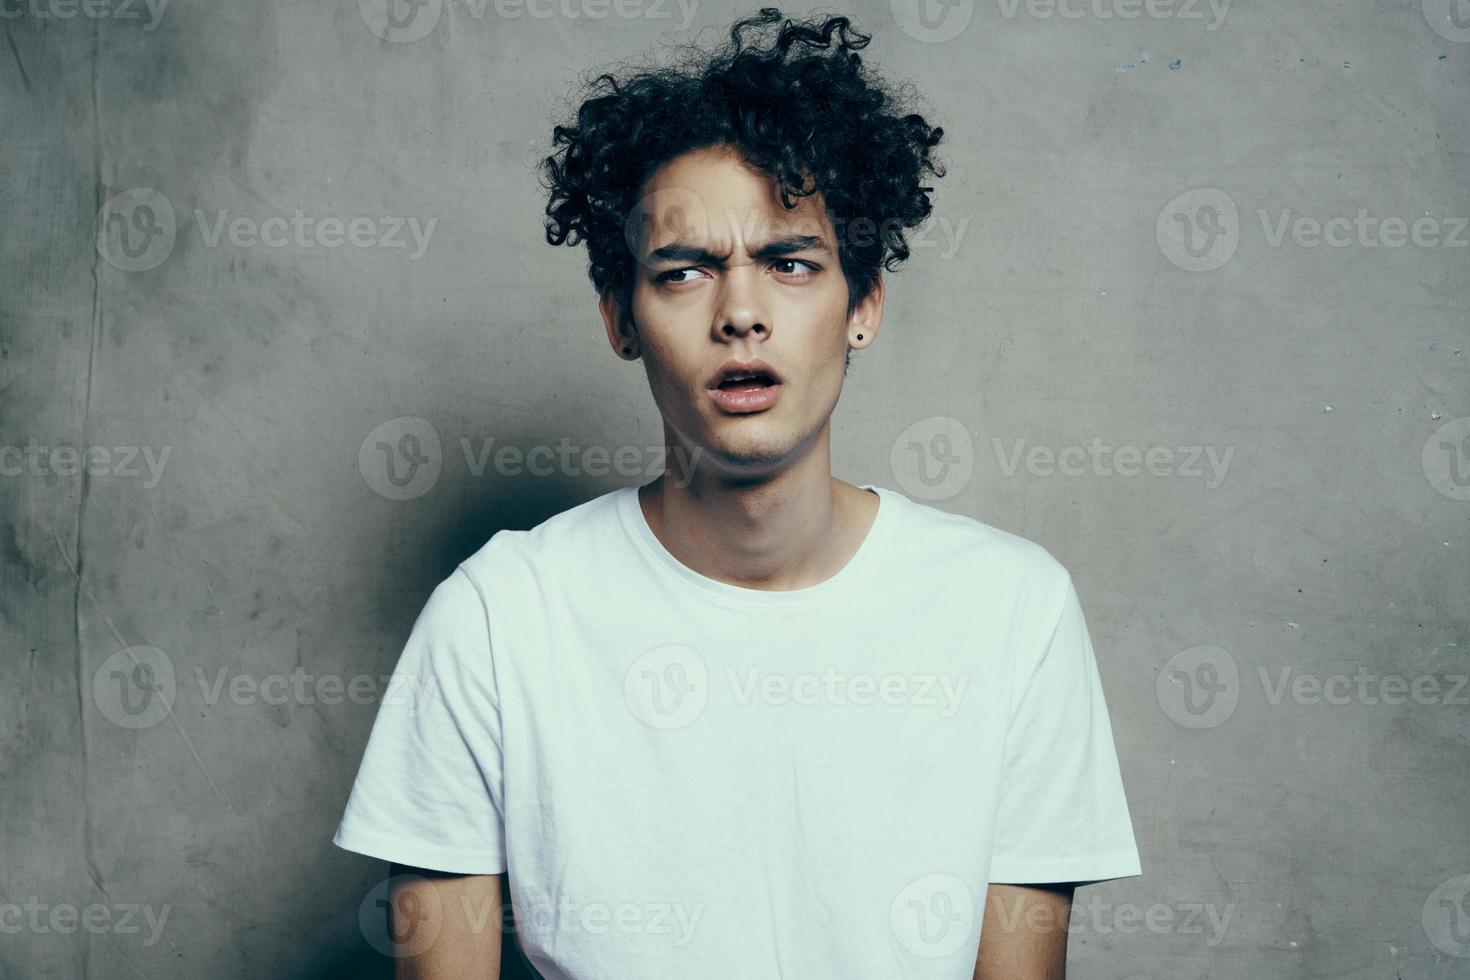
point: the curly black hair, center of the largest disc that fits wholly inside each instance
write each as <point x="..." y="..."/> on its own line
<point x="799" y="106"/>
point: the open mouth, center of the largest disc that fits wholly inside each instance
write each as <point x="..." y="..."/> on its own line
<point x="753" y="382"/>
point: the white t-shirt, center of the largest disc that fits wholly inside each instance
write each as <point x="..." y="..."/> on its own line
<point x="688" y="778"/>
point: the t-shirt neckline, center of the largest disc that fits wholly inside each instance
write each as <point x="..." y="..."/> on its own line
<point x="841" y="582"/>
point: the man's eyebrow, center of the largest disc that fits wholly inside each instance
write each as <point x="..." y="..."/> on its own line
<point x="786" y="245"/>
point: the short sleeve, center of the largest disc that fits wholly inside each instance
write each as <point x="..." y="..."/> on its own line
<point x="1062" y="814"/>
<point x="428" y="792"/>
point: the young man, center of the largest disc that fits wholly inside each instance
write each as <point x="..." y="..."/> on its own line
<point x="746" y="720"/>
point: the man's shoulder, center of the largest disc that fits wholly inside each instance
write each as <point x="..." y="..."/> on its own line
<point x="570" y="535"/>
<point x="950" y="541"/>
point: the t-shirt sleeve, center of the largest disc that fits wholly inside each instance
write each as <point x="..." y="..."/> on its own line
<point x="428" y="792"/>
<point x="1062" y="814"/>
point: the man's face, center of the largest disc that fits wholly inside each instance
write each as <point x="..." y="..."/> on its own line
<point x="724" y="272"/>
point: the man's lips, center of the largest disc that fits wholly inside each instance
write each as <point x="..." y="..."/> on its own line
<point x="746" y="398"/>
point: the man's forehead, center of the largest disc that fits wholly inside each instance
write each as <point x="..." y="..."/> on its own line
<point x="694" y="219"/>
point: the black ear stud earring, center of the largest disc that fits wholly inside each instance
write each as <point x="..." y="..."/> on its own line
<point x="860" y="336"/>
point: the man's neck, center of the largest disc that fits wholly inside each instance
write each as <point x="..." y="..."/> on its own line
<point x="778" y="536"/>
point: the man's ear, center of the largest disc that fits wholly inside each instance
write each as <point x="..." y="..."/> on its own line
<point x="866" y="317"/>
<point x="622" y="332"/>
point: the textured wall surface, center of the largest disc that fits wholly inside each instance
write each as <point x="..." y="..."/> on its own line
<point x="1190" y="312"/>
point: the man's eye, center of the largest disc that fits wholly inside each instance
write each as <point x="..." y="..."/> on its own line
<point x="804" y="270"/>
<point x="810" y="269"/>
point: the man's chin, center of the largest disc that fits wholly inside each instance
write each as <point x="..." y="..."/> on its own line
<point x="738" y="458"/>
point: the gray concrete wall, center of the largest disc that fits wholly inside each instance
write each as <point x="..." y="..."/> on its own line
<point x="1102" y="286"/>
